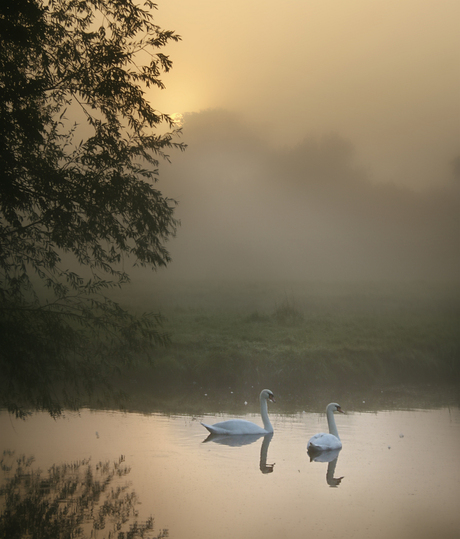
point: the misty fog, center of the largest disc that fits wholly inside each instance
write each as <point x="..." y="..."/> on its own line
<point x="383" y="74"/>
<point x="323" y="140"/>
<point x="249" y="210"/>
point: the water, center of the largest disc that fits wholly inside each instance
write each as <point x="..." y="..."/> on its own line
<point x="398" y="474"/>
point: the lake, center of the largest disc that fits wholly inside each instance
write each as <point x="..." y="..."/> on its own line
<point x="397" y="475"/>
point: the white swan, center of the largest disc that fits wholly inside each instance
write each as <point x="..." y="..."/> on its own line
<point x="324" y="441"/>
<point x="241" y="426"/>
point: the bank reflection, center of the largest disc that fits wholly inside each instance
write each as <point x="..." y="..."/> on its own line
<point x="74" y="499"/>
<point x="246" y="439"/>
<point x="331" y="457"/>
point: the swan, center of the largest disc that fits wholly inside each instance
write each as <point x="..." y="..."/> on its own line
<point x="241" y="426"/>
<point x="323" y="441"/>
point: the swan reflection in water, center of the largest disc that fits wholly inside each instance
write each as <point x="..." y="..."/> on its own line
<point x="331" y="458"/>
<point x="246" y="439"/>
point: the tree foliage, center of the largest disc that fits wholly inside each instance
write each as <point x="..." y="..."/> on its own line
<point x="80" y="149"/>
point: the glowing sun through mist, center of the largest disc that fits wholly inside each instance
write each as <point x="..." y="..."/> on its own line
<point x="177" y="118"/>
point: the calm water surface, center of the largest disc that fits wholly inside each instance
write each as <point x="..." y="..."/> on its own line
<point x="398" y="474"/>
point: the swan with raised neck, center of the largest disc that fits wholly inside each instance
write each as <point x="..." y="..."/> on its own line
<point x="327" y="441"/>
<point x="242" y="426"/>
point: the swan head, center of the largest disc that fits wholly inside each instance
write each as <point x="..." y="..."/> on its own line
<point x="334" y="407"/>
<point x="267" y="395"/>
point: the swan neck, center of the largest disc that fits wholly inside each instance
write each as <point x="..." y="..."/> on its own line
<point x="331" y="423"/>
<point x="264" y="413"/>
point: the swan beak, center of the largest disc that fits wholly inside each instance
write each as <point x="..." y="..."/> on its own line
<point x="339" y="409"/>
<point x="272" y="398"/>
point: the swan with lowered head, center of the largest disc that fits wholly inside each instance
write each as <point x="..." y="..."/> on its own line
<point x="242" y="426"/>
<point x="327" y="441"/>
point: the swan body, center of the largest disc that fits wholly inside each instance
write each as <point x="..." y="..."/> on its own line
<point x="327" y="441"/>
<point x="242" y="426"/>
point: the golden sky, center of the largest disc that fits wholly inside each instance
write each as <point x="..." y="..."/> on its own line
<point x="383" y="74"/>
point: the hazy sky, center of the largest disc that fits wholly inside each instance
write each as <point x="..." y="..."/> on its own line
<point x="310" y="211"/>
<point x="321" y="138"/>
<point x="384" y="74"/>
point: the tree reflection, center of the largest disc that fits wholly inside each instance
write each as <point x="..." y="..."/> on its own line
<point x="331" y="457"/>
<point x="69" y="501"/>
<point x="246" y="439"/>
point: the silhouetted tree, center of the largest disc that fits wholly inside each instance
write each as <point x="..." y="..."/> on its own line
<point x="80" y="148"/>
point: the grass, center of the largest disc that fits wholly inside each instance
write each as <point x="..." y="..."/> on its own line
<point x="244" y="336"/>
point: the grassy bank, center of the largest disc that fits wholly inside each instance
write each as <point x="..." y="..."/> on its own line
<point x="301" y="335"/>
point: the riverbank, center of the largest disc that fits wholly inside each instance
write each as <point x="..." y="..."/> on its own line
<point x="300" y="337"/>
